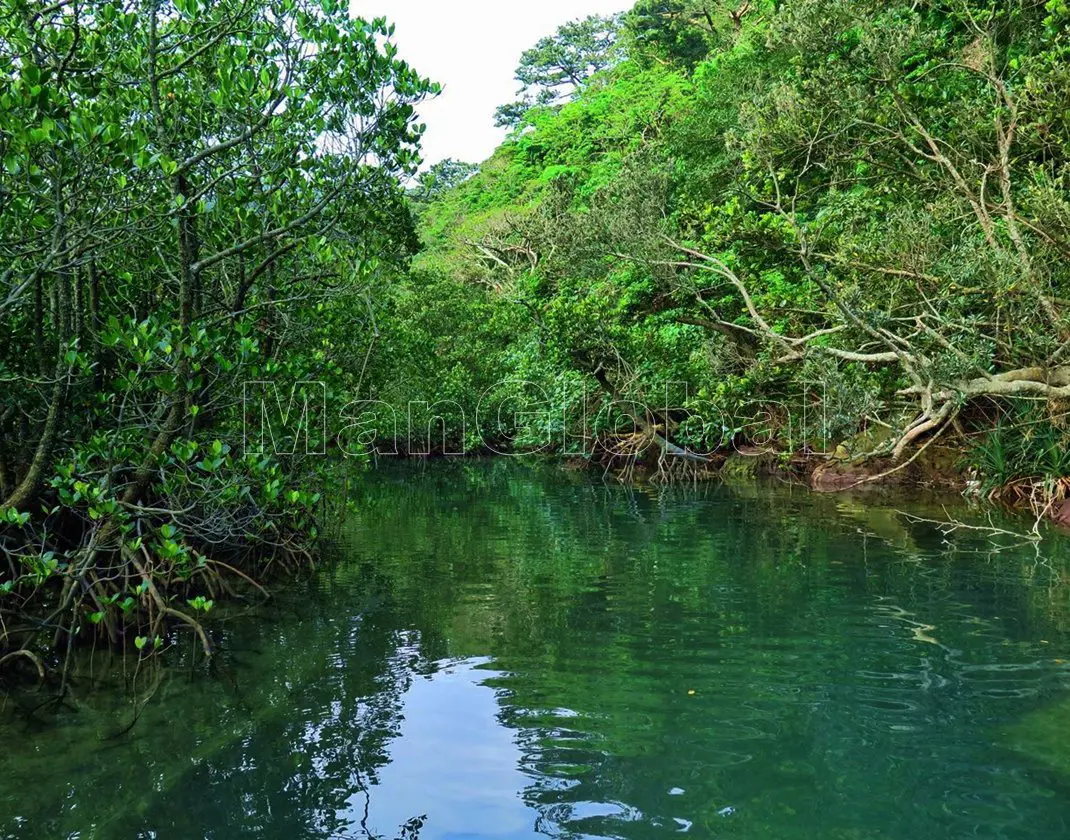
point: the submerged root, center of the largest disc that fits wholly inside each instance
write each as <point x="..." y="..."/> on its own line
<point x="27" y="655"/>
<point x="119" y="596"/>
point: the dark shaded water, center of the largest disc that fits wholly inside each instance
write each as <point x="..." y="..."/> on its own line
<point x="508" y="653"/>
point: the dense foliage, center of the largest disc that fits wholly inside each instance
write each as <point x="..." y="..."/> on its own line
<point x="194" y="195"/>
<point x="822" y="226"/>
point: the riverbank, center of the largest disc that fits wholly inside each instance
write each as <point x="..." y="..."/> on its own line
<point x="932" y="470"/>
<point x="935" y="471"/>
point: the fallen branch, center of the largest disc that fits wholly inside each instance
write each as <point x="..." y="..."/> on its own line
<point x="950" y="526"/>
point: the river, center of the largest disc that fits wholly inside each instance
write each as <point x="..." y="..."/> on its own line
<point x="509" y="651"/>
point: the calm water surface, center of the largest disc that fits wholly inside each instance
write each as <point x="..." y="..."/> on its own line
<point x="507" y="652"/>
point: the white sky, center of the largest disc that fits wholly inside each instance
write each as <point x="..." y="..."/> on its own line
<point x="472" y="47"/>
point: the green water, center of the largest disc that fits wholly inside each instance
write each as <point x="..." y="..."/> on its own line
<point x="509" y="652"/>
